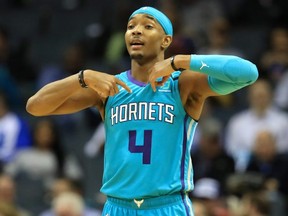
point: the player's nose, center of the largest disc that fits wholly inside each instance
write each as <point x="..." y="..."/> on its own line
<point x="138" y="30"/>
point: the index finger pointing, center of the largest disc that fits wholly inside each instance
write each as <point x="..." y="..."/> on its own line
<point x="119" y="82"/>
<point x="153" y="85"/>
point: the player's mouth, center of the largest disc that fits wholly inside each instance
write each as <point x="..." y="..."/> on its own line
<point x="136" y="44"/>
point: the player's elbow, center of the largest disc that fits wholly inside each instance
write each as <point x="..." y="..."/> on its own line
<point x="244" y="71"/>
<point x="32" y="108"/>
<point x="250" y="73"/>
<point x="253" y="74"/>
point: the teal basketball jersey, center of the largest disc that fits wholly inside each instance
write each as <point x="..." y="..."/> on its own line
<point x="148" y="141"/>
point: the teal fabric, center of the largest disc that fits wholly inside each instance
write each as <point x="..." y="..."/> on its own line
<point x="226" y="73"/>
<point x="148" y="139"/>
<point x="161" y="206"/>
<point x="162" y="19"/>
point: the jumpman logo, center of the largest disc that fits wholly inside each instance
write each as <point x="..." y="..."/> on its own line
<point x="138" y="203"/>
<point x="203" y="65"/>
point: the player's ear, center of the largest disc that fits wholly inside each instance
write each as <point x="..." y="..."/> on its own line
<point x="166" y="41"/>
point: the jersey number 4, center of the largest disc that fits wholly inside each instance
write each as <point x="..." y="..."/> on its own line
<point x="145" y="149"/>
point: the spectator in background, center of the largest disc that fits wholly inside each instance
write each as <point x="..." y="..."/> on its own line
<point x="8" y="210"/>
<point x="68" y="204"/>
<point x="200" y="209"/>
<point x="182" y="42"/>
<point x="61" y="185"/>
<point x="46" y="168"/>
<point x="34" y="168"/>
<point x="243" y="127"/>
<point x="266" y="160"/>
<point x="239" y="184"/>
<point x="206" y="188"/>
<point x="281" y="92"/>
<point x="196" y="16"/>
<point x="72" y="61"/>
<point x="116" y="55"/>
<point x="274" y="60"/>
<point x="14" y="131"/>
<point x="8" y="196"/>
<point x="207" y="191"/>
<point x="66" y="186"/>
<point x="255" y="204"/>
<point x="218" y="36"/>
<point x="210" y="160"/>
<point x="242" y="185"/>
<point x="48" y="151"/>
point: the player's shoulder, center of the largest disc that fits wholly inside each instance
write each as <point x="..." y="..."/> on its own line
<point x="122" y="75"/>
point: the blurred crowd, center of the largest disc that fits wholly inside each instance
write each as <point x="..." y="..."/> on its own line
<point x="240" y="151"/>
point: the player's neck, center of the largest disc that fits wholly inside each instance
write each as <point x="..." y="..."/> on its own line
<point x="139" y="70"/>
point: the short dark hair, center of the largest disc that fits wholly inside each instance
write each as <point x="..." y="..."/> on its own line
<point x="260" y="203"/>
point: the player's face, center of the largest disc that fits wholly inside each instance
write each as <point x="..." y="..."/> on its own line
<point x="144" y="37"/>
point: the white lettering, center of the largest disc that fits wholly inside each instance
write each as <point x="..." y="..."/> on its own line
<point x="142" y="111"/>
<point x="170" y="114"/>
<point x="114" y="115"/>
<point x="161" y="105"/>
<point x="123" y="113"/>
<point x="132" y="111"/>
<point x="151" y="111"/>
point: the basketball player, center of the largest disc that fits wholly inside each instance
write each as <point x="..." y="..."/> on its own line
<point x="150" y="114"/>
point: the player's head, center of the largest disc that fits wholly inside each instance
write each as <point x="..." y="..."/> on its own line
<point x="160" y="17"/>
<point x="68" y="203"/>
<point x="149" y="32"/>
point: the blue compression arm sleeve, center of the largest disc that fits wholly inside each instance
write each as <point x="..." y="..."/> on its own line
<point x="225" y="73"/>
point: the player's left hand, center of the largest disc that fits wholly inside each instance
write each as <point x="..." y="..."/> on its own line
<point x="162" y="70"/>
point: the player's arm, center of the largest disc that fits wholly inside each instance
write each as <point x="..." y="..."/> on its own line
<point x="221" y="74"/>
<point x="204" y="76"/>
<point x="224" y="73"/>
<point x="67" y="96"/>
<point x="212" y="75"/>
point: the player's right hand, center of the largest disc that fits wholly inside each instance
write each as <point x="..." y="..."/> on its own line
<point x="104" y="84"/>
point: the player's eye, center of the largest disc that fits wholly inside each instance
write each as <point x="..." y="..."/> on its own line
<point x="129" y="27"/>
<point x="149" y="26"/>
